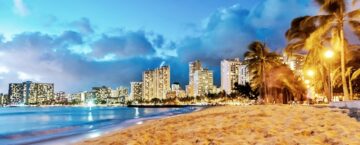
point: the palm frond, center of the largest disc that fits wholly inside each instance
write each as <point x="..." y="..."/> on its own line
<point x="332" y="6"/>
<point x="354" y="14"/>
<point x="355" y="74"/>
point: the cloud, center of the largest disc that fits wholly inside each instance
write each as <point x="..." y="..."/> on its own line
<point x="227" y="32"/>
<point x="125" y="45"/>
<point x="158" y="41"/>
<point x="25" y="77"/>
<point x="83" y="25"/>
<point x="50" y="58"/>
<point x="76" y="61"/>
<point x="4" y="69"/>
<point x="20" y="8"/>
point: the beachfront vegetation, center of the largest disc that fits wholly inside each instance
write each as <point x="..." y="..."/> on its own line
<point x="312" y="36"/>
<point x="273" y="79"/>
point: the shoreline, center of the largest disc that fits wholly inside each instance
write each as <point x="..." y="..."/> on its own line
<point x="283" y="124"/>
<point x="72" y="139"/>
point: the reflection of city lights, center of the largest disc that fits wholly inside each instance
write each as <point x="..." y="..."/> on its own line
<point x="90" y="104"/>
<point x="137" y="113"/>
<point x="90" y="117"/>
<point x="95" y="134"/>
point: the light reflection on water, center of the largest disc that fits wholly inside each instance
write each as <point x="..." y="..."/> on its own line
<point x="90" y="117"/>
<point x="136" y="112"/>
<point x="32" y="124"/>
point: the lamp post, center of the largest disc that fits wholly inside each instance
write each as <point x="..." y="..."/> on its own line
<point x="328" y="55"/>
<point x="310" y="73"/>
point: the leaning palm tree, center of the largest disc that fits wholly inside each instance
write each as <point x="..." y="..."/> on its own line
<point x="330" y="24"/>
<point x="259" y="60"/>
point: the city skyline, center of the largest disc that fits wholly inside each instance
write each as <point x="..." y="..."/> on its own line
<point x="155" y="84"/>
<point x="42" y="43"/>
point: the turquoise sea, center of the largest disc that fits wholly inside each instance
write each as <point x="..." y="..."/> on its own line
<point x="63" y="125"/>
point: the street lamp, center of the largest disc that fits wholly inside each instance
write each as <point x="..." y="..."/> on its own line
<point x="328" y="55"/>
<point x="310" y="73"/>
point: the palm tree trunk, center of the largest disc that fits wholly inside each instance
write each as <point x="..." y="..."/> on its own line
<point x="342" y="55"/>
<point x="264" y="87"/>
<point x="351" y="88"/>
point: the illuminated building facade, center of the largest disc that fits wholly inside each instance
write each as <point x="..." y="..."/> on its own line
<point x="230" y="73"/>
<point x="60" y="97"/>
<point x="156" y="83"/>
<point x="179" y="92"/>
<point x="31" y="93"/>
<point x="244" y="75"/>
<point x="102" y="94"/>
<point x="203" y="82"/>
<point x="136" y="89"/>
<point x="119" y="95"/>
<point x="295" y="62"/>
<point x="193" y="66"/>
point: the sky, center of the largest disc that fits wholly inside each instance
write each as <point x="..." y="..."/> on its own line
<point x="78" y="44"/>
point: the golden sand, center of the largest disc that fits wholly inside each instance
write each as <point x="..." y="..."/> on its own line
<point x="269" y="124"/>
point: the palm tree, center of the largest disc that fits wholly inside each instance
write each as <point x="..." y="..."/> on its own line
<point x="259" y="60"/>
<point x="351" y="74"/>
<point x="284" y="85"/>
<point x="155" y="101"/>
<point x="328" y="26"/>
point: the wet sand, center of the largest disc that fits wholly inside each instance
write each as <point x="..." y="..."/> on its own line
<point x="269" y="124"/>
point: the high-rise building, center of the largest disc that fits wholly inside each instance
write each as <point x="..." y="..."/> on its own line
<point x="82" y="97"/>
<point x="203" y="82"/>
<point x="175" y="86"/>
<point x="120" y="95"/>
<point x="177" y="90"/>
<point x="156" y="83"/>
<point x="16" y="93"/>
<point x="4" y="100"/>
<point x="30" y="92"/>
<point x="230" y="74"/>
<point x="295" y="62"/>
<point x="193" y="66"/>
<point x="244" y="75"/>
<point x="136" y="90"/>
<point x="102" y="94"/>
<point x="60" y="97"/>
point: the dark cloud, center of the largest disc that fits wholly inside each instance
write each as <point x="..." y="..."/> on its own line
<point x="227" y="32"/>
<point x="158" y="41"/>
<point x="47" y="58"/>
<point x="83" y="25"/>
<point x="125" y="45"/>
<point x="69" y="38"/>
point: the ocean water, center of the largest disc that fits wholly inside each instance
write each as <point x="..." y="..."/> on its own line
<point x="61" y="125"/>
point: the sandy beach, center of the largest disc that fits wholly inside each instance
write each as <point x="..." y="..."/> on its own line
<point x="271" y="124"/>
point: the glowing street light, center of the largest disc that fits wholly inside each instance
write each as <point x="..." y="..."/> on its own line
<point x="329" y="54"/>
<point x="310" y="73"/>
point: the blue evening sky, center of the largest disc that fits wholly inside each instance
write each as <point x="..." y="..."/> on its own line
<point x="78" y="44"/>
